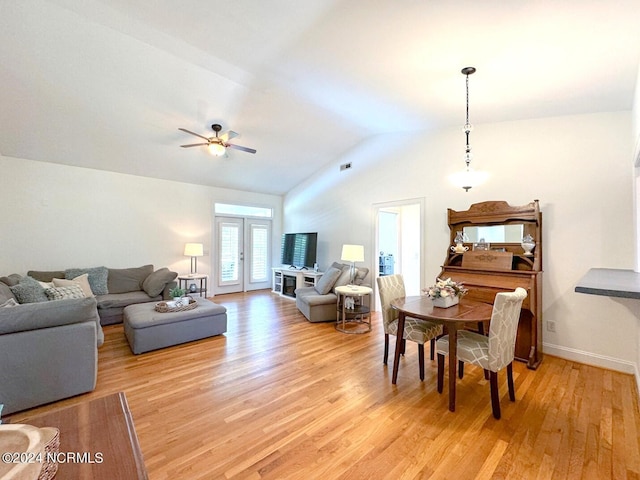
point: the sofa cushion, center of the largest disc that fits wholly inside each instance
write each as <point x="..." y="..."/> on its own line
<point x="5" y="293"/>
<point x="9" y="303"/>
<point x="121" y="280"/>
<point x="97" y="278"/>
<point x="60" y="293"/>
<point x="82" y="281"/>
<point x="28" y="291"/>
<point x="361" y="274"/>
<point x="45" y="276"/>
<point x="115" y="300"/>
<point x="311" y="297"/>
<point x="345" y="275"/>
<point x="11" y="280"/>
<point x="327" y="281"/>
<point x="154" y="284"/>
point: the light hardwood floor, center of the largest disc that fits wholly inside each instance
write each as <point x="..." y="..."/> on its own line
<point x="278" y="397"/>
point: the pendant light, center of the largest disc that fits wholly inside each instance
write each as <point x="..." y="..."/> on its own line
<point x="468" y="178"/>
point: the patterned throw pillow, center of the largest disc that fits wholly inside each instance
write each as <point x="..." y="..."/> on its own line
<point x="28" y="291"/>
<point x="97" y="278"/>
<point x="82" y="281"/>
<point x="60" y="293"/>
<point x="9" y="303"/>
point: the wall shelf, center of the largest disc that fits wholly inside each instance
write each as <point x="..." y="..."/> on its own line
<point x="610" y="282"/>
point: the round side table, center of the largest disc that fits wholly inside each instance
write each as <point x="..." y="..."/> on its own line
<point x="354" y="318"/>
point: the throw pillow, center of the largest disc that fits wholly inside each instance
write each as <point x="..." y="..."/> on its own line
<point x="154" y="284"/>
<point x="45" y="276"/>
<point x="11" y="280"/>
<point x="28" y="291"/>
<point x="82" y="281"/>
<point x="361" y="274"/>
<point x="60" y="293"/>
<point x="9" y="303"/>
<point x="98" y="277"/>
<point x="5" y="293"/>
<point x="345" y="275"/>
<point x="123" y="280"/>
<point x="45" y="285"/>
<point x="328" y="279"/>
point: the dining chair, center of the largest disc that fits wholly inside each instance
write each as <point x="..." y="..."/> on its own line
<point x="391" y="287"/>
<point x="493" y="352"/>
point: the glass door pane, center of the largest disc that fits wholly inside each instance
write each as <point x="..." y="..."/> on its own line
<point x="229" y="242"/>
<point x="259" y="253"/>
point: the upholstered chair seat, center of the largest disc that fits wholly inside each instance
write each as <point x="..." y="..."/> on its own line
<point x="415" y="330"/>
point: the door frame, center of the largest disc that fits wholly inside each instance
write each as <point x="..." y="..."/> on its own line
<point x="376" y="208"/>
<point x="245" y="283"/>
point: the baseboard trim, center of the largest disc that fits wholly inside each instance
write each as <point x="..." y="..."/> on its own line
<point x="590" y="358"/>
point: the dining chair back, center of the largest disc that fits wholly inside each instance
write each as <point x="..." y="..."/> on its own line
<point x="503" y="328"/>
<point x="493" y="352"/>
<point x="391" y="287"/>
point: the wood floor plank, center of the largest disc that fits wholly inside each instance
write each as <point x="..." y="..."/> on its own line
<point x="277" y="397"/>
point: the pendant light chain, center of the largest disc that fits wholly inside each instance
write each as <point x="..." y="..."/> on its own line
<point x="467" y="127"/>
<point x="468" y="177"/>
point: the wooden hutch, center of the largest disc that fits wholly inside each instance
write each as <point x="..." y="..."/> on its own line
<point x="502" y="265"/>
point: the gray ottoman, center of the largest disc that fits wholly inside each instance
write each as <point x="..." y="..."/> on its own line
<point x="146" y="329"/>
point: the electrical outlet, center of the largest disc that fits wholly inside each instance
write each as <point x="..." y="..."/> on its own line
<point x="551" y="326"/>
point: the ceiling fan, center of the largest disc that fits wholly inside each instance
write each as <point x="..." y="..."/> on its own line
<point x="217" y="145"/>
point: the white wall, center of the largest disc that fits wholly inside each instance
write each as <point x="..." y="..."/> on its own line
<point x="58" y="216"/>
<point x="636" y="207"/>
<point x="577" y="166"/>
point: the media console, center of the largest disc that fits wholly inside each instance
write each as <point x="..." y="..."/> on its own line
<point x="285" y="280"/>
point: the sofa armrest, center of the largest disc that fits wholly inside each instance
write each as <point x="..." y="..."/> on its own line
<point x="167" y="288"/>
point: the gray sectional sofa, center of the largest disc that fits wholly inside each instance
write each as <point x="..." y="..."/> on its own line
<point x="124" y="286"/>
<point x="50" y="334"/>
<point x="319" y="303"/>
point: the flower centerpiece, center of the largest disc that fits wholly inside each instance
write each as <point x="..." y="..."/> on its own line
<point x="445" y="293"/>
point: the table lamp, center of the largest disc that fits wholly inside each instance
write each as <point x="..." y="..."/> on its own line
<point x="353" y="254"/>
<point x="193" y="250"/>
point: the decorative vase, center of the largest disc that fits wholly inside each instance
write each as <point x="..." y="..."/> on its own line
<point x="445" y="302"/>
<point x="528" y="244"/>
<point x="459" y="248"/>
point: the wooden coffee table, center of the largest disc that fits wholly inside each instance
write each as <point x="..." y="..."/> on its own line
<point x="97" y="439"/>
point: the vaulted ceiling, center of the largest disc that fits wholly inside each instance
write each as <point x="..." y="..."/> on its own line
<point x="106" y="84"/>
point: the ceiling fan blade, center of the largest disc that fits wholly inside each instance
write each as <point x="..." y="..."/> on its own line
<point x="244" y="149"/>
<point x="226" y="136"/>
<point x="193" y="133"/>
<point x="194" y="145"/>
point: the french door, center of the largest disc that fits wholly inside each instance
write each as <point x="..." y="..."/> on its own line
<point x="242" y="247"/>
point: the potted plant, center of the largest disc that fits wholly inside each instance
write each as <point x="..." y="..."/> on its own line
<point x="445" y="293"/>
<point x="176" y="293"/>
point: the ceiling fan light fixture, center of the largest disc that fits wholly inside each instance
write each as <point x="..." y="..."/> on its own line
<point x="217" y="149"/>
<point x="217" y="145"/>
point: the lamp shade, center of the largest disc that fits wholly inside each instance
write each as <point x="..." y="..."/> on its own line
<point x="193" y="250"/>
<point x="352" y="253"/>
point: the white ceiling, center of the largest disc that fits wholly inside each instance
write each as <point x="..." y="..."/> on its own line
<point x="107" y="83"/>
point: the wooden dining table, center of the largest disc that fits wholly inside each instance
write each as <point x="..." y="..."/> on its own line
<point x="453" y="318"/>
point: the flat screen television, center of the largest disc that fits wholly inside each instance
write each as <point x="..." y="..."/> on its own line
<point x="299" y="250"/>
